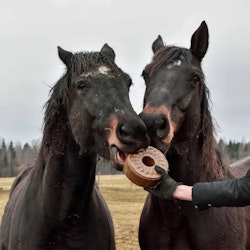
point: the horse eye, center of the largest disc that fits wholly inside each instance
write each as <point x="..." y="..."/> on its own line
<point x="80" y="84"/>
<point x="196" y="80"/>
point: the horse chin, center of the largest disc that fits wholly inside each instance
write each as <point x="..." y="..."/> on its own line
<point x="117" y="157"/>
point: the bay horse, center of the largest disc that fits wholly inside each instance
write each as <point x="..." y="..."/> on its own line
<point x="177" y="116"/>
<point x="56" y="203"/>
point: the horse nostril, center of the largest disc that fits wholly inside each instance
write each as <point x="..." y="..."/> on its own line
<point x="124" y="131"/>
<point x="162" y="126"/>
<point x="157" y="124"/>
<point x="133" y="133"/>
<point x="161" y="123"/>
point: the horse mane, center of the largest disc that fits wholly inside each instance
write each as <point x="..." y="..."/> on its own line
<point x="211" y="157"/>
<point x="55" y="125"/>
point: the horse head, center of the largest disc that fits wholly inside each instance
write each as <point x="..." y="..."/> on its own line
<point x="175" y="90"/>
<point x="94" y="96"/>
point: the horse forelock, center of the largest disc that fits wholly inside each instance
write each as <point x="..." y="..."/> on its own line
<point x="165" y="56"/>
<point x="85" y="62"/>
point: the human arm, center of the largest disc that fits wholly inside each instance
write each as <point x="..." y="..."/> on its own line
<point x="183" y="192"/>
<point x="234" y="192"/>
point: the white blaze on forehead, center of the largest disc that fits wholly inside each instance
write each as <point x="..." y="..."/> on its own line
<point x="175" y="63"/>
<point x="104" y="70"/>
<point x="101" y="70"/>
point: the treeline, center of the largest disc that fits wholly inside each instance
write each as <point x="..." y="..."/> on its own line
<point x="233" y="151"/>
<point x="14" y="158"/>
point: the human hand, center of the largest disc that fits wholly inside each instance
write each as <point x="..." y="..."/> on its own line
<point x="166" y="187"/>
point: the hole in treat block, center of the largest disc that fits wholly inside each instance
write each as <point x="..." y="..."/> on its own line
<point x="148" y="161"/>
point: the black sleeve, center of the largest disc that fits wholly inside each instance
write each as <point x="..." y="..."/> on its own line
<point x="232" y="193"/>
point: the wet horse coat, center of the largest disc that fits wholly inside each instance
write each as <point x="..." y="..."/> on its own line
<point x="56" y="204"/>
<point x="177" y="115"/>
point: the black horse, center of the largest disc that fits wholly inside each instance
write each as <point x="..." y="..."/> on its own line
<point x="177" y="115"/>
<point x="56" y="203"/>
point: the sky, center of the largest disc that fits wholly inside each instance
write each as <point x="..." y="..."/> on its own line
<point x="30" y="32"/>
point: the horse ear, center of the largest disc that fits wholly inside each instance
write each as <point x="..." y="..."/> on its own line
<point x="108" y="51"/>
<point x="157" y="44"/>
<point x="199" y="41"/>
<point x="64" y="55"/>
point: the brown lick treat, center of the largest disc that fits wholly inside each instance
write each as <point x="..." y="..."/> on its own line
<point x="140" y="167"/>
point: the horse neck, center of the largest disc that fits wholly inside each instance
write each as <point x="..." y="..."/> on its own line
<point x="185" y="161"/>
<point x="67" y="177"/>
<point x="193" y="160"/>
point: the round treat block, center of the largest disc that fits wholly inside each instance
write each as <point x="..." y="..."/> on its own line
<point x="140" y="167"/>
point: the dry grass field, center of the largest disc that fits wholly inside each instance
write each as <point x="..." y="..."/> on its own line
<point x="124" y="199"/>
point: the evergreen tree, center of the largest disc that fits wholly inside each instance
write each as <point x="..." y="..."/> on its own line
<point x="4" y="160"/>
<point x="12" y="160"/>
